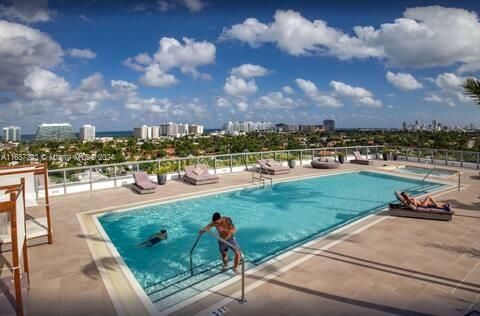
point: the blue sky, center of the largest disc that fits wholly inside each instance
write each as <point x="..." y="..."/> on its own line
<point x="122" y="64"/>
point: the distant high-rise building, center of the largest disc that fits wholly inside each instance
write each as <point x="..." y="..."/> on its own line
<point x="434" y="125"/>
<point x="146" y="132"/>
<point x="247" y="126"/>
<point x="404" y="125"/>
<point x="329" y="125"/>
<point x="155" y="132"/>
<point x="195" y="129"/>
<point x="87" y="132"/>
<point x="182" y="129"/>
<point x="141" y="132"/>
<point x="11" y="134"/>
<point x="55" y="132"/>
<point x="169" y="129"/>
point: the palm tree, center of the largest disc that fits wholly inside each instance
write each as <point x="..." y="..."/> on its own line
<point x="472" y="88"/>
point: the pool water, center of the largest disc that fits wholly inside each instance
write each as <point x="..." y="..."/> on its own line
<point x="268" y="220"/>
<point x="442" y="173"/>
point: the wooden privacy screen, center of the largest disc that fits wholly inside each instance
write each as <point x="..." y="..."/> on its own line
<point x="12" y="174"/>
<point x="15" y="207"/>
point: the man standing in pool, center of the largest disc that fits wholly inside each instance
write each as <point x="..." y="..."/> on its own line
<point x="226" y="230"/>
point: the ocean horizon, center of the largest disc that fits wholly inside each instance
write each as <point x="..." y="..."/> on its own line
<point x="30" y="137"/>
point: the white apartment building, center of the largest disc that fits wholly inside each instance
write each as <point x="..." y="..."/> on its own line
<point x="147" y="132"/>
<point x="182" y="130"/>
<point x="87" y="132"/>
<point x="169" y="129"/>
<point x="195" y="129"/>
<point x="11" y="134"/>
<point x="247" y="126"/>
<point x="141" y="132"/>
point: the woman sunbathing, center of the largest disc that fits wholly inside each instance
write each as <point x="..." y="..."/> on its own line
<point x="427" y="201"/>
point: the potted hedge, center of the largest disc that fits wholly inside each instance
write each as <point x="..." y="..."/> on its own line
<point x="291" y="163"/>
<point x="386" y="153"/>
<point x="395" y="155"/>
<point x="162" y="175"/>
<point x="341" y="157"/>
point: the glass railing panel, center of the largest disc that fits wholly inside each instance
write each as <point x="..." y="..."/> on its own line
<point x="170" y="166"/>
<point x="148" y="167"/>
<point x="306" y="155"/>
<point x="208" y="161"/>
<point x="77" y="176"/>
<point x="126" y="170"/>
<point x="252" y="159"/>
<point x="281" y="156"/>
<point x="55" y="178"/>
<point x="238" y="160"/>
<point x="268" y="155"/>
<point x="223" y="164"/>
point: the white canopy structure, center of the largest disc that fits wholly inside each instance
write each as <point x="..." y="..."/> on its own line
<point x="32" y="175"/>
<point x="14" y="206"/>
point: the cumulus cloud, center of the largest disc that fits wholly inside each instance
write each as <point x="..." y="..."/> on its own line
<point x="435" y="98"/>
<point x="222" y="102"/>
<point x="239" y="87"/>
<point x="452" y="84"/>
<point x="358" y="94"/>
<point x="194" y="5"/>
<point x="82" y="53"/>
<point x="320" y="99"/>
<point x="428" y="37"/>
<point x="186" y="56"/>
<point x="450" y="90"/>
<point x="242" y="106"/>
<point x="403" y="81"/>
<point x="288" y="90"/>
<point x="165" y="108"/>
<point x="26" y="11"/>
<point x="155" y="77"/>
<point x="168" y="5"/>
<point x="296" y="35"/>
<point x="275" y="101"/>
<point x="41" y="83"/>
<point x="423" y="37"/>
<point x="249" y="71"/>
<point x="22" y="50"/>
<point x="123" y="85"/>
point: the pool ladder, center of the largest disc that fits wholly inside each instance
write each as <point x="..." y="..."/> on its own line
<point x="428" y="159"/>
<point x="242" y="300"/>
<point x="257" y="174"/>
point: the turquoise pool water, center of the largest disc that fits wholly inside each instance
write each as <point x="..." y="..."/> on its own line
<point x="268" y="221"/>
<point x="442" y="173"/>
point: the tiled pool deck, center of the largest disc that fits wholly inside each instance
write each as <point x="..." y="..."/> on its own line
<point x="382" y="265"/>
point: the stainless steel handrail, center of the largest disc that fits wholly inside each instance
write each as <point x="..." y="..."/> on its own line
<point x="213" y="156"/>
<point x="261" y="176"/>
<point x="427" y="159"/>
<point x="242" y="299"/>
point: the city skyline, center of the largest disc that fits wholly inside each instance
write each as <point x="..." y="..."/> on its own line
<point x="212" y="68"/>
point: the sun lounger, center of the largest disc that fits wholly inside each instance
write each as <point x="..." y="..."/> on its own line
<point x="143" y="184"/>
<point x="360" y="160"/>
<point x="270" y="166"/>
<point x="405" y="209"/>
<point x="198" y="174"/>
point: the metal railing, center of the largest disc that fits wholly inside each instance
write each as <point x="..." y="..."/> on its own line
<point x="242" y="300"/>
<point x="91" y="178"/>
<point x="460" y="158"/>
<point x="117" y="174"/>
<point x="257" y="174"/>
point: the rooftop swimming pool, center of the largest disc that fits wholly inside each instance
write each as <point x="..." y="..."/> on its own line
<point x="269" y="221"/>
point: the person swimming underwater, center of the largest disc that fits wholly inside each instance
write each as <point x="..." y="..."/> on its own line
<point x="154" y="239"/>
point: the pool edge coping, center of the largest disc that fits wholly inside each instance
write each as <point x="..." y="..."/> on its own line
<point x="136" y="287"/>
